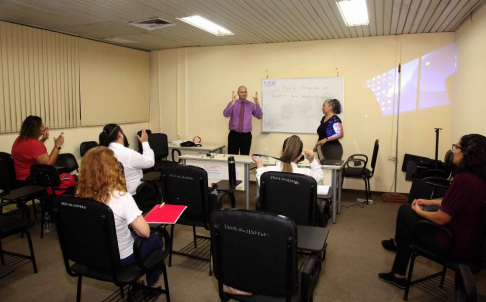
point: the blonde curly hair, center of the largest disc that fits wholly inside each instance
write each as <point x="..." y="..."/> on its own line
<point x="100" y="175"/>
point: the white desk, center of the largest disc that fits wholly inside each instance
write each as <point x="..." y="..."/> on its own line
<point x="335" y="182"/>
<point x="205" y="148"/>
<point x="244" y="161"/>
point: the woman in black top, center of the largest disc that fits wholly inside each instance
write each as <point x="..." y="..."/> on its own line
<point x="330" y="131"/>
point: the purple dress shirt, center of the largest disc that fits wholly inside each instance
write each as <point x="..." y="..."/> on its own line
<point x="233" y="112"/>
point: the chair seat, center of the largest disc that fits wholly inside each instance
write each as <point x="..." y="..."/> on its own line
<point x="356" y="172"/>
<point x="12" y="225"/>
<point x="125" y="274"/>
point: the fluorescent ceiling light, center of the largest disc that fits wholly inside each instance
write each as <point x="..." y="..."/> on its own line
<point x="207" y="25"/>
<point x="354" y="12"/>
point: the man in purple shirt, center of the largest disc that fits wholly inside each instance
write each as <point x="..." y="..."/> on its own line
<point x="240" y="111"/>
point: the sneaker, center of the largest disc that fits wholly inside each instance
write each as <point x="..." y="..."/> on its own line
<point x="401" y="283"/>
<point x="389" y="245"/>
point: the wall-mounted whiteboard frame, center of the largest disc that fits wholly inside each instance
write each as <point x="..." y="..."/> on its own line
<point x="294" y="105"/>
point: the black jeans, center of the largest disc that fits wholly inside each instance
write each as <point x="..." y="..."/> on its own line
<point x="406" y="219"/>
<point x="239" y="143"/>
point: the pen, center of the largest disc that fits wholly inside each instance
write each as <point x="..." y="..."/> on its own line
<point x="161" y="205"/>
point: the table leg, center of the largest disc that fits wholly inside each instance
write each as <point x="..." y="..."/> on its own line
<point x="339" y="180"/>
<point x="334" y="196"/>
<point x="247" y="186"/>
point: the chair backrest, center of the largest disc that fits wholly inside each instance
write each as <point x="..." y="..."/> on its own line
<point x="44" y="175"/>
<point x="159" y="143"/>
<point x="85" y="146"/>
<point x="139" y="133"/>
<point x="254" y="252"/>
<point x="289" y="194"/>
<point x="374" y="157"/>
<point x="148" y="195"/>
<point x="68" y="162"/>
<point x="87" y="234"/>
<point x="7" y="173"/>
<point x="187" y="185"/>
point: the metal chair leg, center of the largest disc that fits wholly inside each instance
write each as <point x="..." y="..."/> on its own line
<point x="166" y="282"/>
<point x="194" y="236"/>
<point x="32" y="255"/>
<point x="442" y="278"/>
<point x="409" y="279"/>
<point x="171" y="244"/>
<point x="78" y="294"/>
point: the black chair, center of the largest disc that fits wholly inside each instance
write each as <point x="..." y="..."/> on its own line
<point x="425" y="247"/>
<point x="9" y="183"/>
<point x="466" y="286"/>
<point x="292" y="195"/>
<point x="428" y="188"/>
<point x="257" y="252"/>
<point x="159" y="143"/>
<point x="48" y="177"/>
<point x="188" y="185"/>
<point x="148" y="195"/>
<point x="87" y="236"/>
<point x="10" y="226"/>
<point x="67" y="163"/>
<point x="356" y="167"/>
<point x="85" y="146"/>
<point x="228" y="187"/>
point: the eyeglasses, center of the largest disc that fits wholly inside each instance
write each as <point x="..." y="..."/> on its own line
<point x="455" y="146"/>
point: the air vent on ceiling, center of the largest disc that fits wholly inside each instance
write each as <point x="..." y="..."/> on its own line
<point x="152" y="24"/>
<point x="118" y="40"/>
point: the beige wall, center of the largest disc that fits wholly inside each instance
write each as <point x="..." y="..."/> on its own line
<point x="469" y="82"/>
<point x="113" y="74"/>
<point x="195" y="85"/>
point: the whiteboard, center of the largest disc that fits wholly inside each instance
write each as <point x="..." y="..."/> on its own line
<point x="295" y="105"/>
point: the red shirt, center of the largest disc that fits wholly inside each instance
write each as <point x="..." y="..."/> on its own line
<point x="464" y="201"/>
<point x="24" y="154"/>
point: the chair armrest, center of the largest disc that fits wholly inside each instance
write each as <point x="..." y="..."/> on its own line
<point x="431" y="208"/>
<point x="138" y="244"/>
<point x="178" y="154"/>
<point x="310" y="271"/>
<point x="422" y="241"/>
<point x="320" y="214"/>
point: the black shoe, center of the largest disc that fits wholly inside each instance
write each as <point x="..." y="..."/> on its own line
<point x="389" y="245"/>
<point x="401" y="283"/>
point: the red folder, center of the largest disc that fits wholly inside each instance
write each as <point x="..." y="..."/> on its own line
<point x="167" y="214"/>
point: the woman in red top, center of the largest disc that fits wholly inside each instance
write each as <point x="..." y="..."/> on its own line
<point x="28" y="149"/>
<point x="461" y="211"/>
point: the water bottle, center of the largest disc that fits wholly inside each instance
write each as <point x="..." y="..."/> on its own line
<point x="47" y="223"/>
<point x="265" y="159"/>
<point x="231" y="172"/>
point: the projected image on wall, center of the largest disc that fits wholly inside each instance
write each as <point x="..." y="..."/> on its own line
<point x="424" y="82"/>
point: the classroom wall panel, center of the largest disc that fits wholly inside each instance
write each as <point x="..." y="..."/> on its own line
<point x="212" y="73"/>
<point x="40" y="69"/>
<point x="37" y="70"/>
<point x="469" y="82"/>
<point x="114" y="80"/>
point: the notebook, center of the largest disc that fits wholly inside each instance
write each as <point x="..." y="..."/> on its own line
<point x="167" y="214"/>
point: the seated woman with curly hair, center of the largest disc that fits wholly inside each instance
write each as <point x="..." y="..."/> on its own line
<point x="101" y="179"/>
<point x="461" y="211"/>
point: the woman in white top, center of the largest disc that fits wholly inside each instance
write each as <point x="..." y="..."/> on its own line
<point x="101" y="179"/>
<point x="132" y="161"/>
<point x="291" y="151"/>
